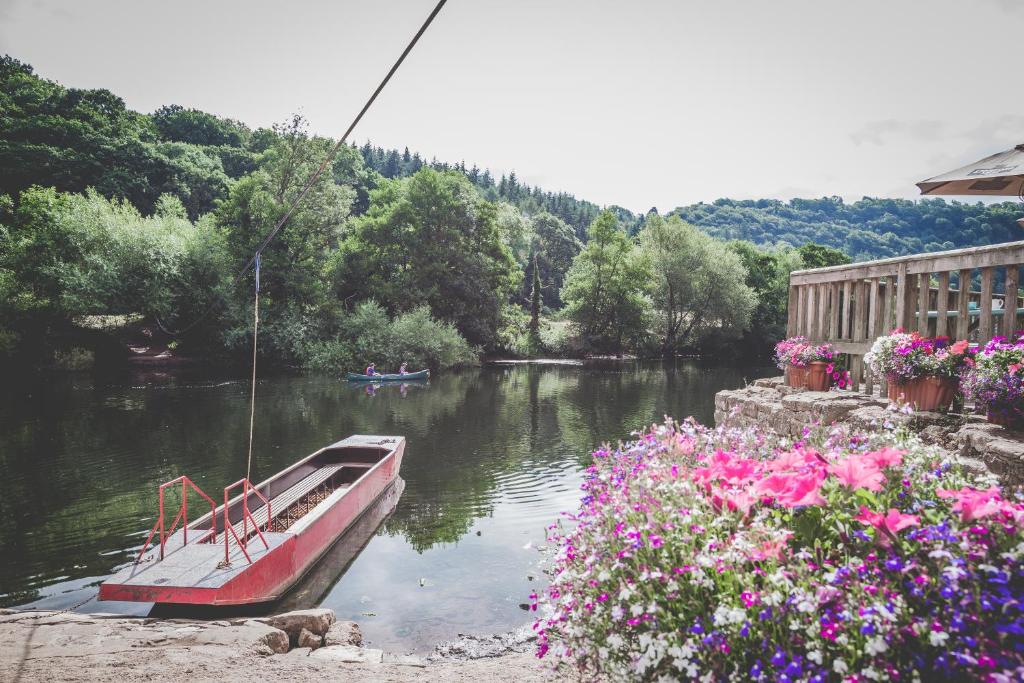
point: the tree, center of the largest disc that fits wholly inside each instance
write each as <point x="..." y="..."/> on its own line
<point x="699" y="285"/>
<point x="606" y="289"/>
<point x="819" y="256"/>
<point x="177" y="124"/>
<point x="768" y="276"/>
<point x="431" y="240"/>
<point x="555" y="245"/>
<point x="294" y="290"/>
<point x="534" y="344"/>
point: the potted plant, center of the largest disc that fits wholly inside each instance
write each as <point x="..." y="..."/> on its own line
<point x="810" y="366"/>
<point x="923" y="372"/>
<point x="996" y="382"/>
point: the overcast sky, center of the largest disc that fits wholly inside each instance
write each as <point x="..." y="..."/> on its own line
<point x="639" y="103"/>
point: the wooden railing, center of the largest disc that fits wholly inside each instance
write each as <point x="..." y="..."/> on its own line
<point x="849" y="306"/>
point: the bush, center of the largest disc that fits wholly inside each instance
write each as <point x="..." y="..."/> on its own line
<point x="368" y="334"/>
<point x="728" y="556"/>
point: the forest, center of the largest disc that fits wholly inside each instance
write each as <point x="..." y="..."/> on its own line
<point x="113" y="217"/>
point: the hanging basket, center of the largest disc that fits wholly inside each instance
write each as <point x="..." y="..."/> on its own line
<point x="925" y="393"/>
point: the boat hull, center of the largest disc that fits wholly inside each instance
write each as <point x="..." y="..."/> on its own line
<point x="407" y="377"/>
<point x="193" y="575"/>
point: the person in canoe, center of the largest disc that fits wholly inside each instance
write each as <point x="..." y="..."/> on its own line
<point x="404" y="370"/>
<point x="371" y="370"/>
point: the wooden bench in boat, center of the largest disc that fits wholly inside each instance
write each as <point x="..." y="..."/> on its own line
<point x="293" y="494"/>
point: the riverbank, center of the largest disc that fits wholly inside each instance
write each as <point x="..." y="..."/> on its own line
<point x="295" y="646"/>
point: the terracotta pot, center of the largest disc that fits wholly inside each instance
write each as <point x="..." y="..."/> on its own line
<point x="925" y="393"/>
<point x="818" y="379"/>
<point x="1006" y="418"/>
<point x="796" y="377"/>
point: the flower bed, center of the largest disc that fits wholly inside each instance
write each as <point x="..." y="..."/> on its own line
<point x="996" y="381"/>
<point x="712" y="555"/>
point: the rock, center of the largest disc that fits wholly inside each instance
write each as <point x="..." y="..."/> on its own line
<point x="348" y="654"/>
<point x="316" y="621"/>
<point x="309" y="639"/>
<point x="251" y="634"/>
<point x="344" y="633"/>
<point x="404" y="660"/>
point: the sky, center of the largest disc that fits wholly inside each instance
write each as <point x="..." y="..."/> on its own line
<point x="640" y="104"/>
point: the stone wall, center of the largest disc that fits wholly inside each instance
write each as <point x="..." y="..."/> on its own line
<point x="770" y="404"/>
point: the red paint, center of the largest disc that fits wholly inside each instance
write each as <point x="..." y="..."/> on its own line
<point x="272" y="573"/>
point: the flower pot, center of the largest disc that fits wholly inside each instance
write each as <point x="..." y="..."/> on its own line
<point x="818" y="378"/>
<point x="796" y="377"/>
<point x="1006" y="417"/>
<point x="925" y="393"/>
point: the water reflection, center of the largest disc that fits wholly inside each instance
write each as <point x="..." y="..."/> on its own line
<point x="493" y="455"/>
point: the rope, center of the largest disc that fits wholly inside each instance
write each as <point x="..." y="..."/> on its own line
<point x="255" y="338"/>
<point x="316" y="175"/>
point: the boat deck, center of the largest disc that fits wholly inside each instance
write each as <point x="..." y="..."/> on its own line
<point x="196" y="565"/>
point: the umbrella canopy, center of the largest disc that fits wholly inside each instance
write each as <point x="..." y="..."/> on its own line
<point x="999" y="175"/>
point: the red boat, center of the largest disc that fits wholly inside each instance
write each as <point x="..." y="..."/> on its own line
<point x="258" y="544"/>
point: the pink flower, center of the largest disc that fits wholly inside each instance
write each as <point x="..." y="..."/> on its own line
<point x="887" y="457"/>
<point x="891" y="522"/>
<point x="973" y="504"/>
<point x="858" y="472"/>
<point x="655" y="540"/>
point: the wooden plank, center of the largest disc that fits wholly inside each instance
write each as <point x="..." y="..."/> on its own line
<point x="811" y="310"/>
<point x="844" y="321"/>
<point x="874" y="308"/>
<point x="976" y="257"/>
<point x="1010" y="300"/>
<point x="923" y="289"/>
<point x="791" y="311"/>
<point x="902" y="284"/>
<point x="962" y="299"/>
<point x="834" y="311"/>
<point x="852" y="348"/>
<point x="860" y="328"/>
<point x="822" y="317"/>
<point x="887" y="312"/>
<point x="985" y="304"/>
<point x="942" y="304"/>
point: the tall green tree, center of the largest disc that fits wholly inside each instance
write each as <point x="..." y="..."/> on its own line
<point x="699" y="285"/>
<point x="555" y="245"/>
<point x="606" y="289"/>
<point x="295" y="292"/>
<point x="430" y="239"/>
<point x="768" y="276"/>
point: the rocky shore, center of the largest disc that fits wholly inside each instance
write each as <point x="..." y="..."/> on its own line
<point x="294" y="646"/>
<point x="770" y="404"/>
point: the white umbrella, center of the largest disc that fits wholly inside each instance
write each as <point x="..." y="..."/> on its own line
<point x="998" y="175"/>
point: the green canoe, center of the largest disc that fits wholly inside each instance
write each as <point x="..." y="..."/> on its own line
<point x="356" y="377"/>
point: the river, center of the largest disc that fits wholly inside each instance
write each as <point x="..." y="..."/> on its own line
<point x="494" y="454"/>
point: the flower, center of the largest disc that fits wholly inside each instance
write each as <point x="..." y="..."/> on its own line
<point x="858" y="472"/>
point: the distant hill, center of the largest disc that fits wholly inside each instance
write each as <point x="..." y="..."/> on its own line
<point x="866" y="229"/>
<point x="72" y="139"/>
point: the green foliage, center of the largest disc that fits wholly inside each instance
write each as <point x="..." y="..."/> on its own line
<point x="768" y="277"/>
<point x="430" y="240"/>
<point x="818" y="256"/>
<point x="555" y="245"/>
<point x="699" y="286"/>
<point x="606" y="289"/>
<point x="864" y="230"/>
<point x="178" y="124"/>
<point x="368" y="334"/>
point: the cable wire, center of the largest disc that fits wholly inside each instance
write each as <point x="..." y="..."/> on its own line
<point x="316" y="175"/>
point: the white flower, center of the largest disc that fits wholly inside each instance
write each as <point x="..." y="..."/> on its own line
<point x="815" y="656"/>
<point x="938" y="638"/>
<point x="839" y="666"/>
<point x="876" y="645"/>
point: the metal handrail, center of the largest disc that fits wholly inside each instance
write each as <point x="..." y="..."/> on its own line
<point x="247" y="487"/>
<point x="182" y="516"/>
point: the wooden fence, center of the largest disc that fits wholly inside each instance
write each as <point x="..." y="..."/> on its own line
<point x="849" y="306"/>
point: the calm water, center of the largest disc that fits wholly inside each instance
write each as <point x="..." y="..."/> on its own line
<point x="493" y="456"/>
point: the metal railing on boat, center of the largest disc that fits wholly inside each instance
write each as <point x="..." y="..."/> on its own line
<point x="182" y="516"/>
<point x="243" y="541"/>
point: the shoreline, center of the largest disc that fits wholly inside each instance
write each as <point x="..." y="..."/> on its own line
<point x="293" y="646"/>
